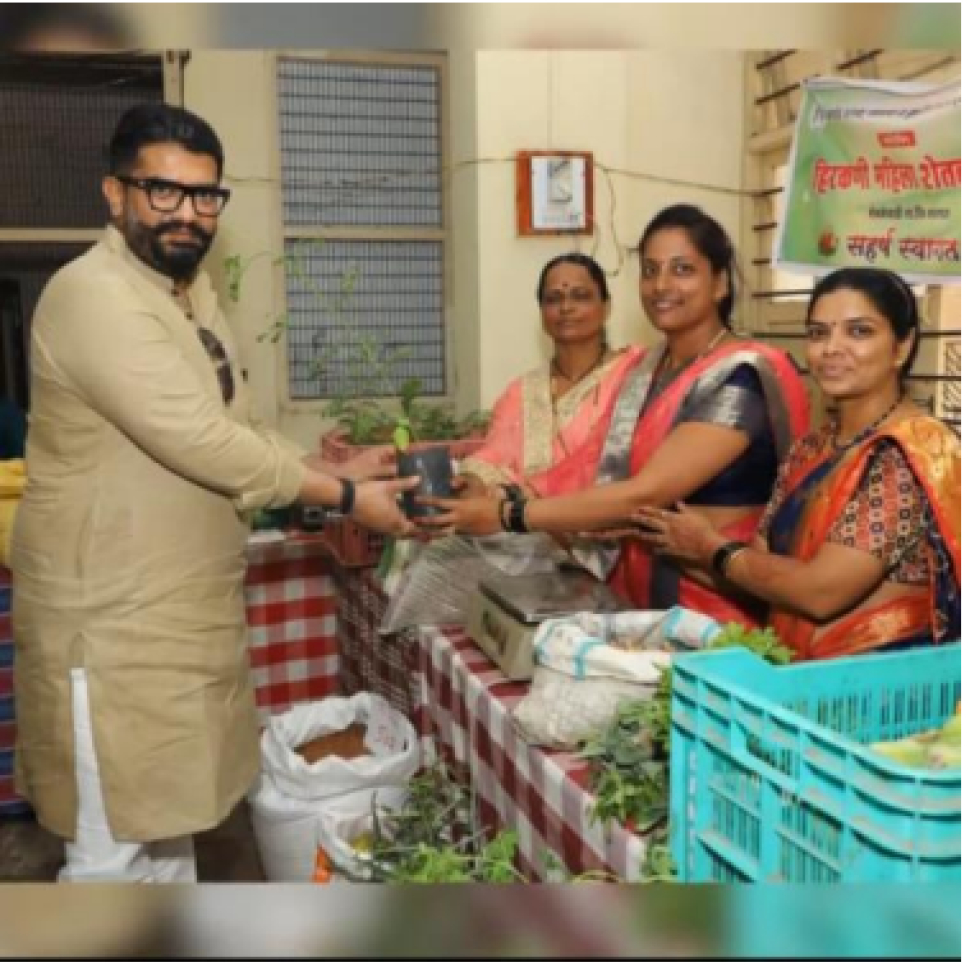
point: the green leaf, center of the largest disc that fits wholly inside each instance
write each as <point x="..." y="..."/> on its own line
<point x="401" y="435"/>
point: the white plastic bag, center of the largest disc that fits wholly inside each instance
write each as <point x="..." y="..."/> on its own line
<point x="336" y="856"/>
<point x="560" y="711"/>
<point x="435" y="582"/>
<point x="291" y="795"/>
<point x="587" y="664"/>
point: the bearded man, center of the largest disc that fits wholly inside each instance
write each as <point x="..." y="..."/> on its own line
<point x="136" y="718"/>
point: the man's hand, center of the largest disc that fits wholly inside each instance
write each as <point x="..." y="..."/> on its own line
<point x="371" y="464"/>
<point x="376" y="506"/>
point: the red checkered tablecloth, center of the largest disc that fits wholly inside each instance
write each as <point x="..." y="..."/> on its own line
<point x="291" y="606"/>
<point x="370" y="662"/>
<point x="10" y="802"/>
<point x="464" y="713"/>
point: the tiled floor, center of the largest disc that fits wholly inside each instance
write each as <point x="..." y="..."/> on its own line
<point x="30" y="854"/>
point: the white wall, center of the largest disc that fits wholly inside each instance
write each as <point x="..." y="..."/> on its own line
<point x="234" y="91"/>
<point x="671" y="114"/>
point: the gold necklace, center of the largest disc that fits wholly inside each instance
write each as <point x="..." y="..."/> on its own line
<point x="557" y="433"/>
<point x="668" y="358"/>
<point x="556" y="369"/>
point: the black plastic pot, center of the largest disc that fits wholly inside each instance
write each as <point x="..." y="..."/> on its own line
<point x="434" y="466"/>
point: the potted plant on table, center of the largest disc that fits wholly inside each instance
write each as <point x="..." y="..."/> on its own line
<point x="369" y="400"/>
<point x="414" y="426"/>
<point x="426" y="436"/>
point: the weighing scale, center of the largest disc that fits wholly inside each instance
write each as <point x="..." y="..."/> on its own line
<point x="504" y="613"/>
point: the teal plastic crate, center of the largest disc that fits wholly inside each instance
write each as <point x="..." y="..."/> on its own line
<point x="772" y="780"/>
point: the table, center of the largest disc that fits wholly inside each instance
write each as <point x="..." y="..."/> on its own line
<point x="291" y="608"/>
<point x="369" y="662"/>
<point x="463" y="713"/>
<point x="10" y="802"/>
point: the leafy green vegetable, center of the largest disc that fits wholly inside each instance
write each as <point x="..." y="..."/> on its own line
<point x="762" y="641"/>
<point x="431" y="839"/>
<point x="629" y="761"/>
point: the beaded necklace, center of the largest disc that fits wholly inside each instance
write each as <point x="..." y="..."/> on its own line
<point x="867" y="431"/>
<point x="665" y="374"/>
<point x="556" y="370"/>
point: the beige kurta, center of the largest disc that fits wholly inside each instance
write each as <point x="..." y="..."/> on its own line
<point x="129" y="551"/>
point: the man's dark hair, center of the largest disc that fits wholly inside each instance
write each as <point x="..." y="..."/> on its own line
<point x="152" y="123"/>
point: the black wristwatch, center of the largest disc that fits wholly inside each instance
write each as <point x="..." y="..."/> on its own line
<point x="516" y="518"/>
<point x="721" y="558"/>
<point x="512" y="492"/>
<point x="347" y="497"/>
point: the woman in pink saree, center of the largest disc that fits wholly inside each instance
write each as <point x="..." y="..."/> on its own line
<point x="556" y="417"/>
<point x="545" y="437"/>
<point x="705" y="418"/>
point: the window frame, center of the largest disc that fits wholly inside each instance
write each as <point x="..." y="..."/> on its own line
<point x="285" y="233"/>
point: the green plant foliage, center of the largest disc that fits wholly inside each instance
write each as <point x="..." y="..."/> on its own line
<point x="432" y="839"/>
<point x="629" y="761"/>
<point x="357" y="368"/>
<point x="402" y="434"/>
<point x="762" y="641"/>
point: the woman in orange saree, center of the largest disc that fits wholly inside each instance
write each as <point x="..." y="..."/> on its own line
<point x="860" y="548"/>
<point x="705" y="417"/>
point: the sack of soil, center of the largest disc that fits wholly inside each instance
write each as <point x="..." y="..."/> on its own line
<point x="333" y="757"/>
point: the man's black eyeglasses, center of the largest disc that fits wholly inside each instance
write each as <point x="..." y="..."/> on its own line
<point x="222" y="365"/>
<point x="167" y="196"/>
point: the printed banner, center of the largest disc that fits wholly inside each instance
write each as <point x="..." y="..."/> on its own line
<point x="875" y="179"/>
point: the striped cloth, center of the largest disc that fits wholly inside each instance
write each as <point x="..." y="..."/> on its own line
<point x="10" y="803"/>
<point x="464" y="715"/>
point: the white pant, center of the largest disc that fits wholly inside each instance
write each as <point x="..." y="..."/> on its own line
<point x="95" y="856"/>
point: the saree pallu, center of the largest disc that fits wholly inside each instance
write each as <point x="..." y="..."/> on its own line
<point x="530" y="435"/>
<point x="638" y="427"/>
<point x="817" y="491"/>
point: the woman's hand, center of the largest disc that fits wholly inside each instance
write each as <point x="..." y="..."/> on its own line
<point x="468" y="485"/>
<point x="682" y="533"/>
<point x="479" y="516"/>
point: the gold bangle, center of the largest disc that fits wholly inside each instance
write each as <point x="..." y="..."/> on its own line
<point x="732" y="557"/>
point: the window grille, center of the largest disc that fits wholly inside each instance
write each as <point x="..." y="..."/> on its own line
<point x="362" y="201"/>
<point x="58" y="115"/>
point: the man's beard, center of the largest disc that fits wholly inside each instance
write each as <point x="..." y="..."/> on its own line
<point x="176" y="260"/>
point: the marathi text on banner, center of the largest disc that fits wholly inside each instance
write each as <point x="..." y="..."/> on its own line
<point x="875" y="178"/>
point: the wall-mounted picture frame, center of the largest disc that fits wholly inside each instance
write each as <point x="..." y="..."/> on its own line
<point x="555" y="193"/>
